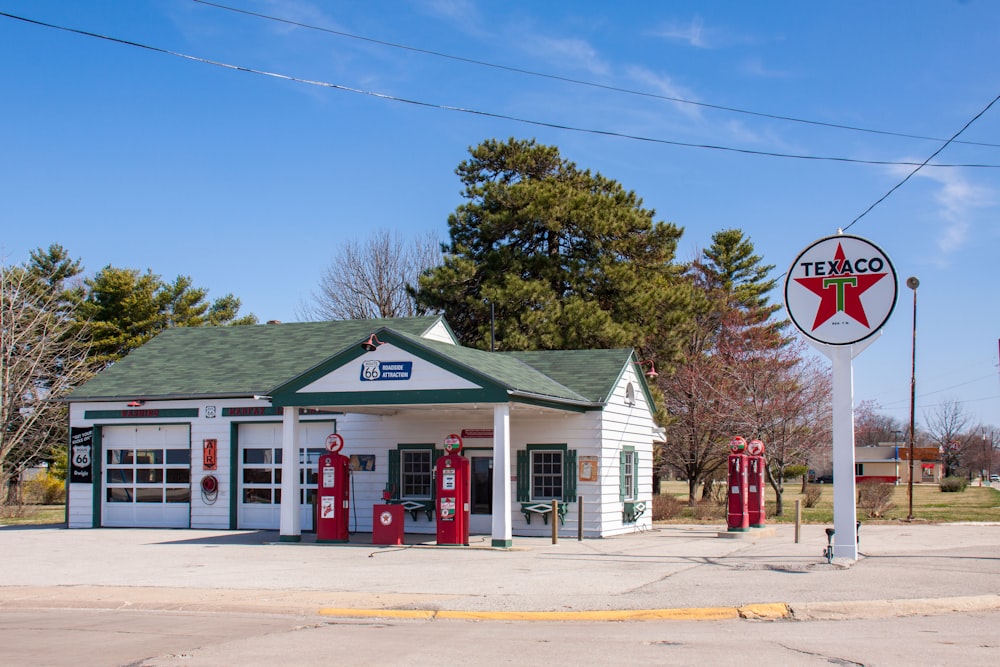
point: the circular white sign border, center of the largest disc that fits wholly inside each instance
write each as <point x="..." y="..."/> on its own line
<point x="334" y="443"/>
<point x="872" y="329"/>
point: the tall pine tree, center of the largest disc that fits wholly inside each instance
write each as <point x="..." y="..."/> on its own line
<point x="566" y="259"/>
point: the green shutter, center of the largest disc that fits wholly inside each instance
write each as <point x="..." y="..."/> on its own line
<point x="569" y="477"/>
<point x="523" y="477"/>
<point x="622" y="491"/>
<point x="393" y="482"/>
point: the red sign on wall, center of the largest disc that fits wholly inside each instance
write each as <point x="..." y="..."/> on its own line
<point x="210" y="450"/>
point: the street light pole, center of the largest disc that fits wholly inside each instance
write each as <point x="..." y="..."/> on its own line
<point x="913" y="284"/>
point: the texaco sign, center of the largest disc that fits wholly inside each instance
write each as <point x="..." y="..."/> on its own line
<point x="840" y="290"/>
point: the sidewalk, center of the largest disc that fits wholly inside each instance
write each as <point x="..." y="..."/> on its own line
<point x="670" y="572"/>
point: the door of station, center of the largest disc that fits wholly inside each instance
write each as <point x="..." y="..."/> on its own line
<point x="480" y="521"/>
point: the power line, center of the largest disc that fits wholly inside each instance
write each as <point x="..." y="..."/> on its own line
<point x="924" y="163"/>
<point x="487" y="114"/>
<point x="555" y="77"/>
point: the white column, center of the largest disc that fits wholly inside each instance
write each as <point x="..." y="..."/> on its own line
<point x="291" y="520"/>
<point x="845" y="540"/>
<point x="502" y="521"/>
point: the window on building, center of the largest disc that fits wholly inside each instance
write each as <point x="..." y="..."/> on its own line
<point x="546" y="472"/>
<point x="628" y="478"/>
<point x="411" y="472"/>
<point x="546" y="475"/>
<point x="415" y="473"/>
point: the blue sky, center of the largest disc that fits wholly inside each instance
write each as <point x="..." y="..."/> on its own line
<point x="249" y="183"/>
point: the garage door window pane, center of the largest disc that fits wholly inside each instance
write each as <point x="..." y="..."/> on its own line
<point x="120" y="456"/>
<point x="179" y="457"/>
<point x="178" y="476"/>
<point x="147" y="495"/>
<point x="119" y="495"/>
<point x="120" y="476"/>
<point x="257" y="496"/>
<point x="257" y="456"/>
<point x="256" y="475"/>
<point x="147" y="456"/>
<point x="149" y="475"/>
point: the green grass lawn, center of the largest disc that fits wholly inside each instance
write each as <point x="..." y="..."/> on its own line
<point x="33" y="515"/>
<point x="930" y="505"/>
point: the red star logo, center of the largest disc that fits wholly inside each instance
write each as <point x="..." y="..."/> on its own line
<point x="840" y="292"/>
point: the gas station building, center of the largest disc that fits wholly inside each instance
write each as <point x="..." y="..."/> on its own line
<point x="222" y="428"/>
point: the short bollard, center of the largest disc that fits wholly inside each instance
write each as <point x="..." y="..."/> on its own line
<point x="555" y="521"/>
<point x="579" y="518"/>
<point x="798" y="520"/>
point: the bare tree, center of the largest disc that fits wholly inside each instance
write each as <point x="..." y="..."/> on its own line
<point x="367" y="279"/>
<point x="945" y="427"/>
<point x="699" y="428"/>
<point x="871" y="427"/>
<point x="42" y="357"/>
<point x="978" y="450"/>
<point x="779" y="395"/>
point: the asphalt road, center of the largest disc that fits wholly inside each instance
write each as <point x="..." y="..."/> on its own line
<point x="74" y="637"/>
<point x="918" y="594"/>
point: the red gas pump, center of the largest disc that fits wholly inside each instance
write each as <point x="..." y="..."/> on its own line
<point x="756" y="513"/>
<point x="737" y="515"/>
<point x="333" y="495"/>
<point x="453" y="494"/>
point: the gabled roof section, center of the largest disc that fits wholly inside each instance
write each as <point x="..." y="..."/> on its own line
<point x="499" y="378"/>
<point x="196" y="362"/>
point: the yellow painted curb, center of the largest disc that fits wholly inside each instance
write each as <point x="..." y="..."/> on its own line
<point x="766" y="611"/>
<point x="752" y="611"/>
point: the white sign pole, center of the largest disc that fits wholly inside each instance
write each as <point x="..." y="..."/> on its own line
<point x="845" y="539"/>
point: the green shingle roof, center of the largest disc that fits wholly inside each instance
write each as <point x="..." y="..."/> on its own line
<point x="231" y="361"/>
<point x="591" y="373"/>
<point x="249" y="360"/>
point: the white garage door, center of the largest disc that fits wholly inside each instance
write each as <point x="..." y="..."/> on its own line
<point x="147" y="476"/>
<point x="260" y="472"/>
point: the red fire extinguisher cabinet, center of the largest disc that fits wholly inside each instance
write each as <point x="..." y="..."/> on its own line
<point x="387" y="524"/>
